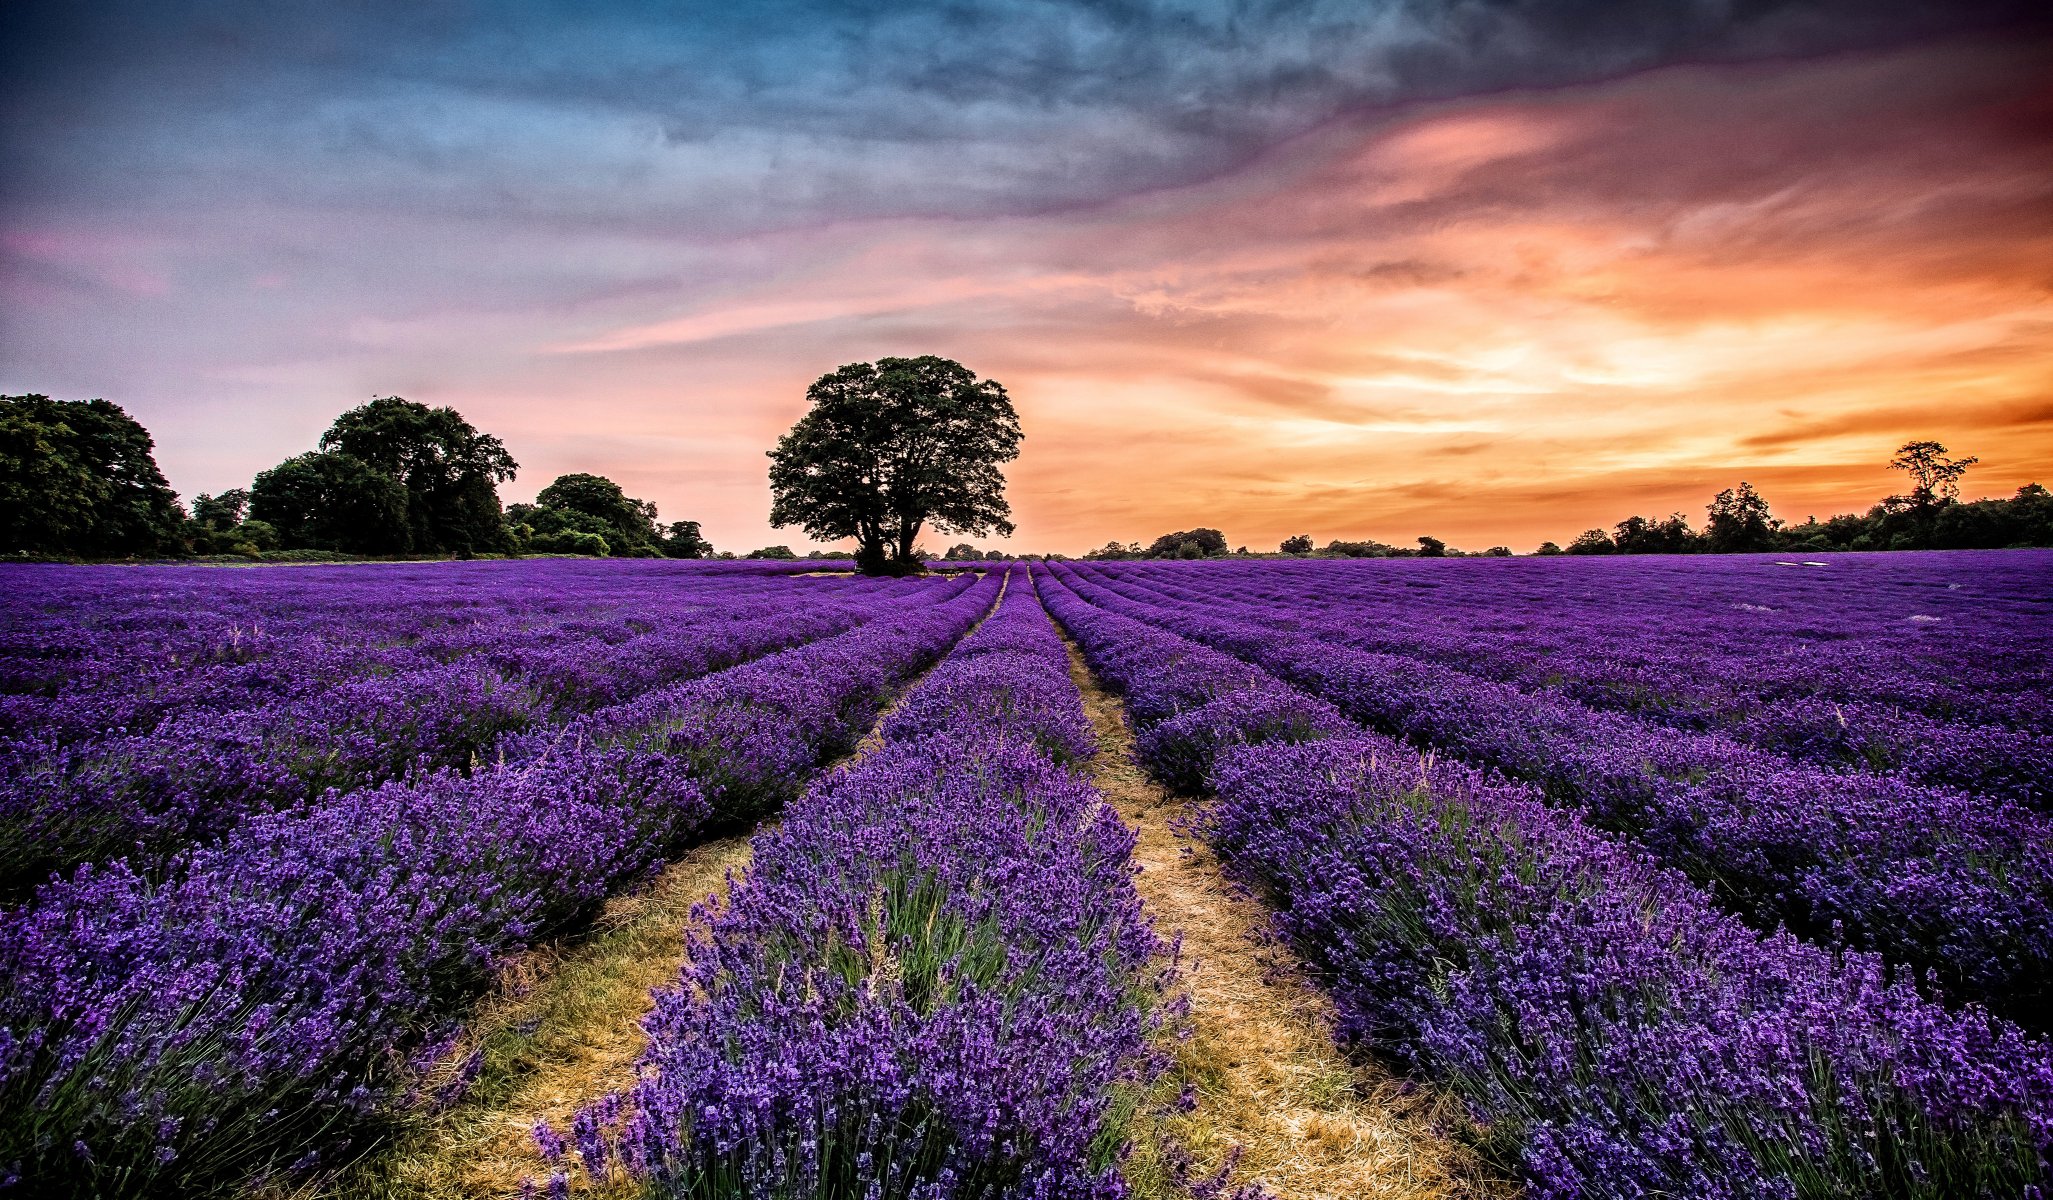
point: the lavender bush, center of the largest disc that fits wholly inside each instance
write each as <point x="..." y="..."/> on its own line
<point x="245" y="1013"/>
<point x="1614" y="1032"/>
<point x="935" y="981"/>
<point x="1933" y="878"/>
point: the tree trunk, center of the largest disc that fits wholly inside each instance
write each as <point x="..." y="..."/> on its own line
<point x="903" y="562"/>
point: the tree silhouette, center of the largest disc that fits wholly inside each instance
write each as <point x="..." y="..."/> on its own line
<point x="890" y="447"/>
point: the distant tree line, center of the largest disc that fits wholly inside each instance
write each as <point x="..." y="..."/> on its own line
<point x="1929" y="516"/>
<point x="79" y="479"/>
<point x="1210" y="543"/>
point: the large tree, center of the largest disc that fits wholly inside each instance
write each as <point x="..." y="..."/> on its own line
<point x="685" y="541"/>
<point x="1739" y="521"/>
<point x="1935" y="478"/>
<point x="78" y="477"/>
<point x="630" y="523"/>
<point x="890" y="447"/>
<point x="450" y="471"/>
<point x="1189" y="543"/>
<point x="333" y="501"/>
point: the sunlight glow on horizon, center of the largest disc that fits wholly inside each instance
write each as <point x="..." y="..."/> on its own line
<point x="1500" y="319"/>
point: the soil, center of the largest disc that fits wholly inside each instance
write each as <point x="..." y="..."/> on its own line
<point x="1271" y="1087"/>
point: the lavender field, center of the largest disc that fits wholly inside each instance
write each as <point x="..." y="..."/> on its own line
<point x="1700" y="876"/>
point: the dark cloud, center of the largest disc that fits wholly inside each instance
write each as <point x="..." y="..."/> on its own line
<point x="732" y="117"/>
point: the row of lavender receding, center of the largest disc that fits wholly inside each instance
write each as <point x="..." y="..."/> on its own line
<point x="1960" y="696"/>
<point x="86" y="650"/>
<point x="1931" y="878"/>
<point x="935" y="980"/>
<point x="249" y="1013"/>
<point x="1614" y="1032"/>
<point x="1959" y="636"/>
<point x="195" y="773"/>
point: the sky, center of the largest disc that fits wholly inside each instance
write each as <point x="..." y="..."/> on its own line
<point x="1494" y="271"/>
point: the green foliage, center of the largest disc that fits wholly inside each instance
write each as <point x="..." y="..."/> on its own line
<point x="777" y="552"/>
<point x="685" y="541"/>
<point x="448" y="471"/>
<point x="1115" y="551"/>
<point x="1592" y="541"/>
<point x="1362" y="549"/>
<point x="1935" y="478"/>
<point x="1739" y="522"/>
<point x="890" y="447"/>
<point x="223" y="512"/>
<point x="1639" y="535"/>
<point x="78" y="478"/>
<point x="628" y="525"/>
<point x="571" y="541"/>
<point x="333" y="501"/>
<point x="1204" y="543"/>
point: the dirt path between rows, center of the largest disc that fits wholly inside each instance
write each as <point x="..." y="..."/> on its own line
<point x="562" y="1030"/>
<point x="1260" y="1059"/>
<point x="564" y="1027"/>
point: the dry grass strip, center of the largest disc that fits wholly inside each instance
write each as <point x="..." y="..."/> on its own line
<point x="562" y="1030"/>
<point x="1260" y="1058"/>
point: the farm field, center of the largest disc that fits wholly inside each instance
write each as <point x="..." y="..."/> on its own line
<point x="1708" y="876"/>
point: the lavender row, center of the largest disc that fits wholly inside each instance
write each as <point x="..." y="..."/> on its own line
<point x="1712" y="683"/>
<point x="1931" y="878"/>
<point x="1958" y="637"/>
<point x="92" y="649"/>
<point x="935" y="981"/>
<point x="1616" y="1033"/>
<point x="1613" y="1032"/>
<point x="246" y="1014"/>
<point x="196" y="775"/>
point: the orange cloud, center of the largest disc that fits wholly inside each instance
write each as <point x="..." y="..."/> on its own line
<point x="1496" y="320"/>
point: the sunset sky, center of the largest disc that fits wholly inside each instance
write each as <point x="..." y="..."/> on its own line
<point x="1491" y="271"/>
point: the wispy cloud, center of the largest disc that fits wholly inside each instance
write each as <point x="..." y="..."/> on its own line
<point x="1489" y="271"/>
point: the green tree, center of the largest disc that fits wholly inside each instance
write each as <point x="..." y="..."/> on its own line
<point x="1592" y="541"/>
<point x="685" y="541"/>
<point x="1207" y="543"/>
<point x="776" y="552"/>
<point x="329" y="500"/>
<point x="223" y="512"/>
<point x="1301" y="544"/>
<point x="1739" y="522"/>
<point x="630" y="524"/>
<point x="890" y="447"/>
<point x="79" y="477"/>
<point x="449" y="470"/>
<point x="1641" y="535"/>
<point x="1935" y="478"/>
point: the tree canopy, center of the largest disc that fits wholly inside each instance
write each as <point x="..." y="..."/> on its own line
<point x="329" y="500"/>
<point x="685" y="541"/>
<point x="629" y="525"/>
<point x="1739" y="521"/>
<point x="80" y="477"/>
<point x="1203" y="543"/>
<point x="449" y="470"/>
<point x="890" y="447"/>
